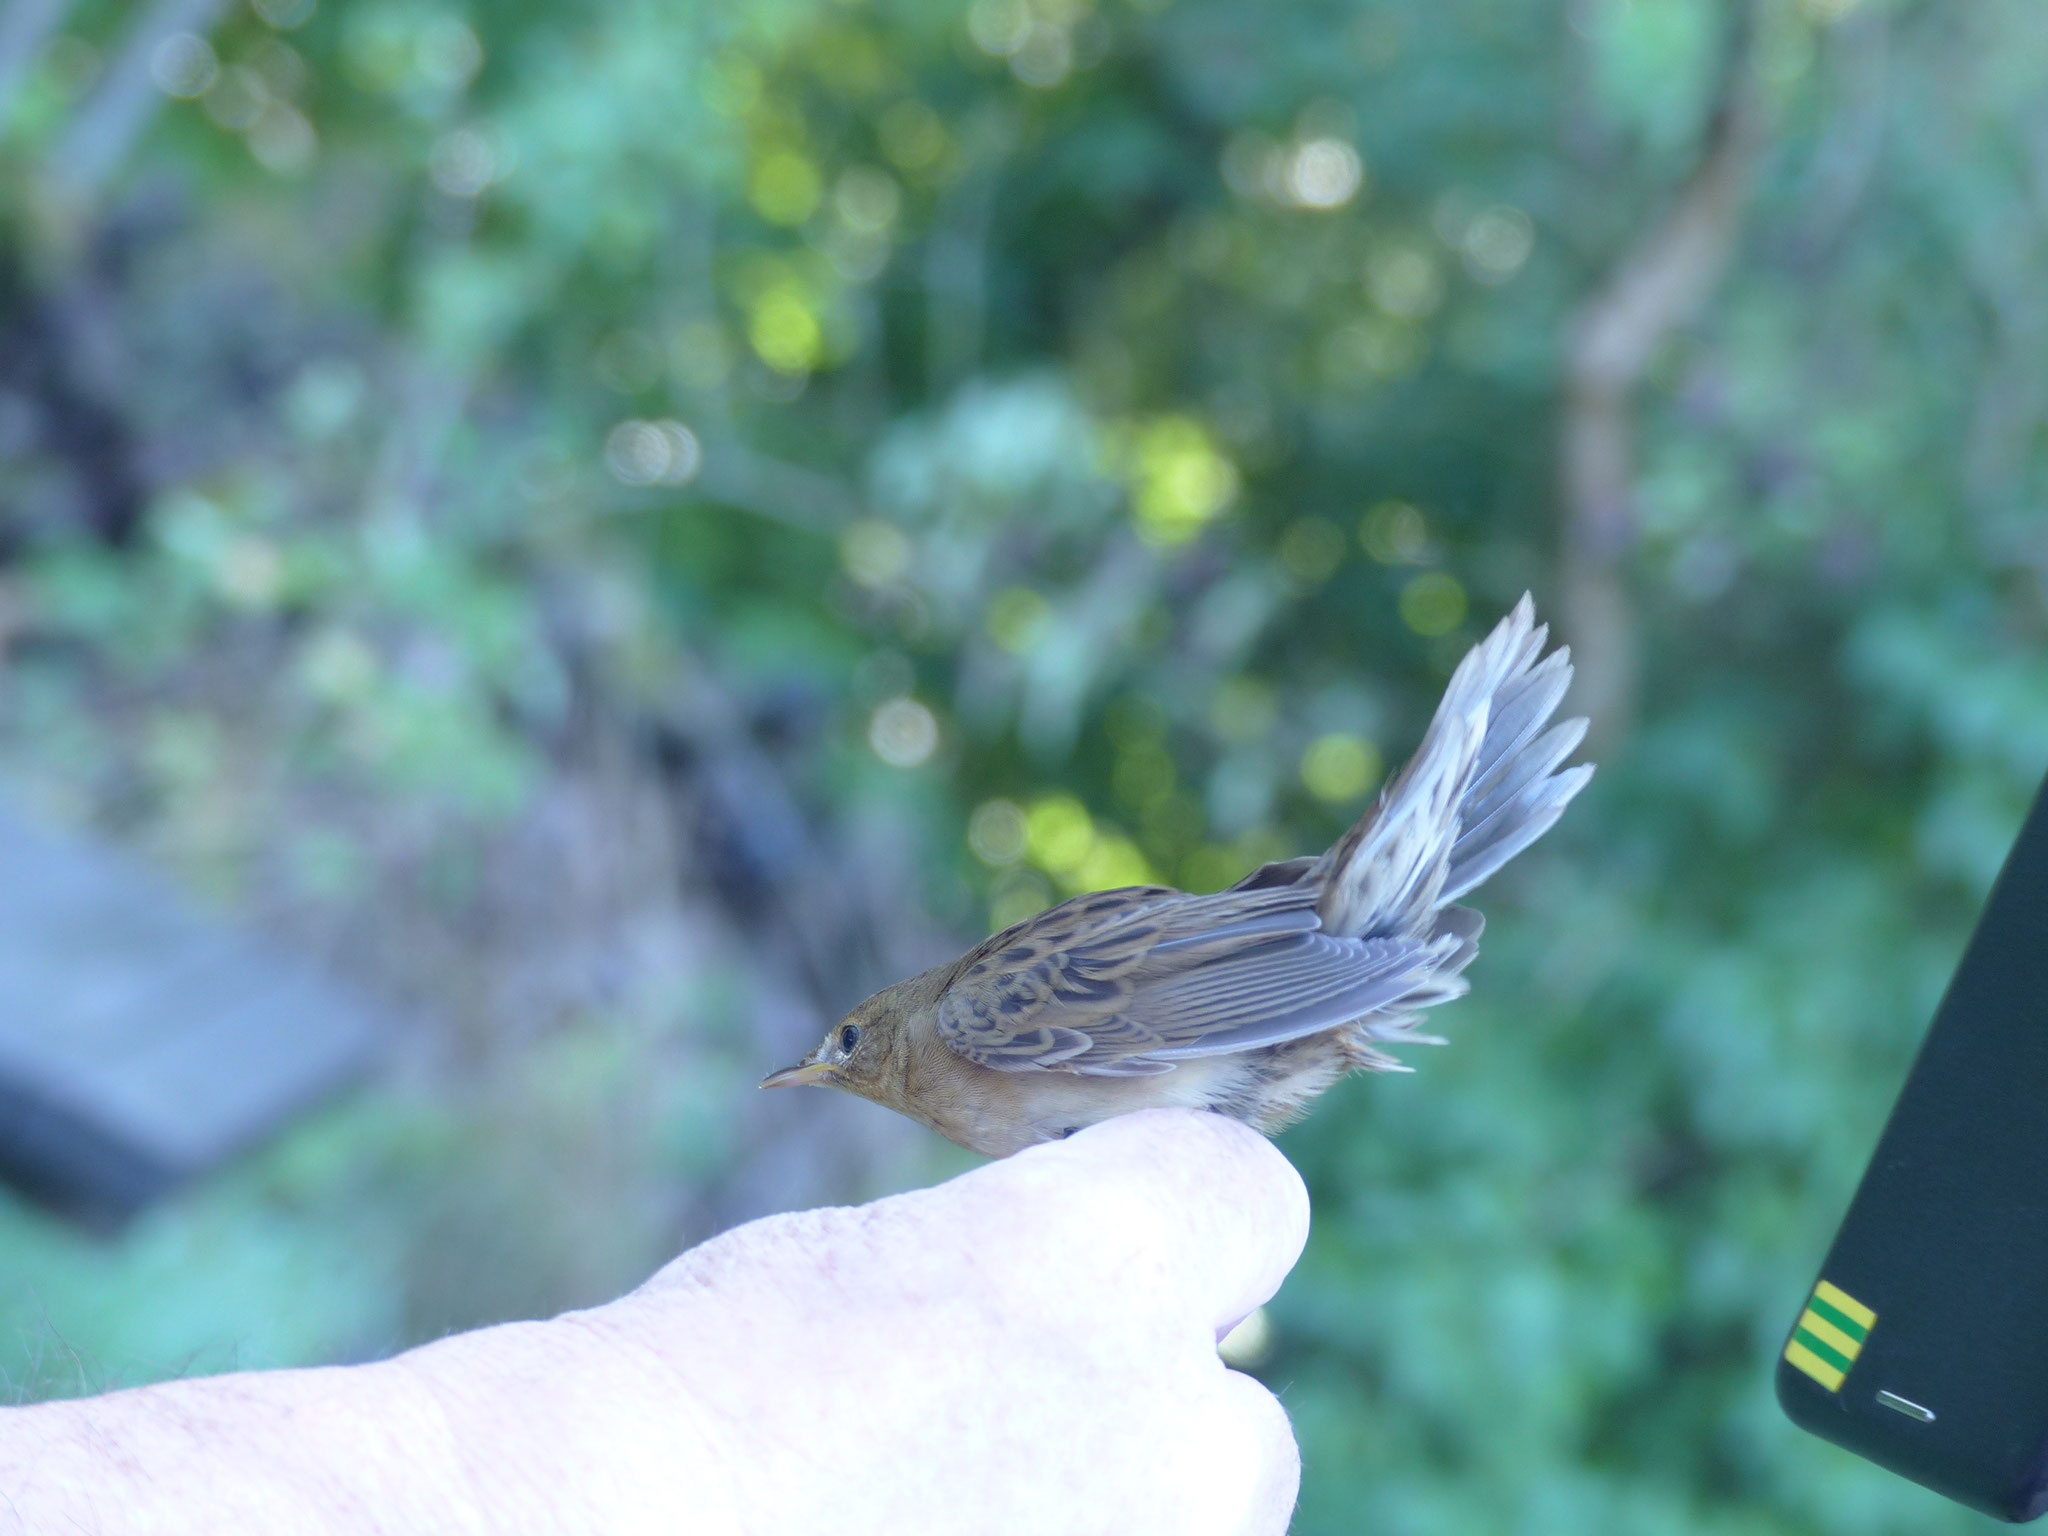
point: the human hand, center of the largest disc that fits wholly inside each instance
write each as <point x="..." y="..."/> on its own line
<point x="1030" y="1347"/>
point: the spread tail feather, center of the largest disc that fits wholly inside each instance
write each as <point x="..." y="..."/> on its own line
<point x="1484" y="785"/>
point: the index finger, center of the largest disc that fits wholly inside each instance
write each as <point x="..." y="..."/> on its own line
<point x="1169" y="1208"/>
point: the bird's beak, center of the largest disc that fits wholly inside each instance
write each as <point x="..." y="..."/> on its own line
<point x="791" y="1077"/>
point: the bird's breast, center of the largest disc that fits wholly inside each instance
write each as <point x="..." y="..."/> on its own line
<point x="997" y="1113"/>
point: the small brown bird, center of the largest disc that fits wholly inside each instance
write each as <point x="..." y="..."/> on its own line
<point x="1255" y="999"/>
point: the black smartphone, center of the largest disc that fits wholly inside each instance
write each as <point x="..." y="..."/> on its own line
<point x="1923" y="1344"/>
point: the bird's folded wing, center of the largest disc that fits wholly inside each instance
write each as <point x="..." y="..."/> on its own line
<point x="1130" y="987"/>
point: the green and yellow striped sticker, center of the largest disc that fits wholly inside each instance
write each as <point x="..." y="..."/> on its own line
<point x="1830" y="1335"/>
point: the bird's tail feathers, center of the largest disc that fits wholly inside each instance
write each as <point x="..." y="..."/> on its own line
<point x="1483" y="785"/>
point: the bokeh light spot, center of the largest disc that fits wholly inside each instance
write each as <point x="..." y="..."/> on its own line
<point x="183" y="65"/>
<point x="1016" y="619"/>
<point x="867" y="199"/>
<point x="323" y="398"/>
<point x="1312" y="549"/>
<point x="1045" y="59"/>
<point x="1375" y="348"/>
<point x="875" y="553"/>
<point x="282" y="139"/>
<point x="1020" y="894"/>
<point x="1243" y="709"/>
<point x="1339" y="767"/>
<point x="236" y="97"/>
<point x="1252" y="164"/>
<point x="997" y="831"/>
<point x="1394" y="533"/>
<point x="913" y="136"/>
<point x="337" y="666"/>
<point x="733" y="85"/>
<point x="249" y="572"/>
<point x="447" y="54"/>
<point x="999" y="27"/>
<point x="903" y="732"/>
<point x="653" y="453"/>
<point x="462" y="163"/>
<point x="282" y="67"/>
<point x="785" y="187"/>
<point x="1433" y="603"/>
<point x="785" y="331"/>
<point x="1323" y="173"/>
<point x="1497" y="242"/>
<point x="1403" y="280"/>
<point x="1181" y="479"/>
<point x="284" y="15"/>
<point x="1058" y="834"/>
<point x="1112" y="861"/>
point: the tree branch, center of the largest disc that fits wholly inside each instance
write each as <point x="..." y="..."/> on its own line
<point x="1657" y="287"/>
<point x="24" y="27"/>
<point x="110" y="122"/>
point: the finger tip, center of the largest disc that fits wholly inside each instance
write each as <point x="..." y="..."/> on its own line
<point x="1221" y="1153"/>
<point x="1205" y="1201"/>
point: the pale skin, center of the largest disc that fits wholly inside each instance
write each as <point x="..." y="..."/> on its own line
<point x="1027" y="1348"/>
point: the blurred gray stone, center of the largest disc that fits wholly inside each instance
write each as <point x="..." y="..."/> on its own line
<point x="142" y="1040"/>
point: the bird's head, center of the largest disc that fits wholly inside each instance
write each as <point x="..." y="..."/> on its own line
<point x="864" y="1053"/>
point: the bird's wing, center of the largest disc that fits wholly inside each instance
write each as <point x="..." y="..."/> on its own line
<point x="1124" y="983"/>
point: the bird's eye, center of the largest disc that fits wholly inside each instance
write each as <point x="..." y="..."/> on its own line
<point x="849" y="1037"/>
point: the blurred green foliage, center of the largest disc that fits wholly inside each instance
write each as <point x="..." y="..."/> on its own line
<point x="1109" y="420"/>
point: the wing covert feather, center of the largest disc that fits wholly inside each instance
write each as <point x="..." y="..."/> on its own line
<point x="1132" y="985"/>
